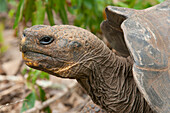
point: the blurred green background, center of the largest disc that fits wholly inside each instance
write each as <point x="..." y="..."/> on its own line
<point x="87" y="13"/>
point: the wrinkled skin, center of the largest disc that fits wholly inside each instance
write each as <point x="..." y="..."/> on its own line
<point x="63" y="53"/>
<point x="72" y="52"/>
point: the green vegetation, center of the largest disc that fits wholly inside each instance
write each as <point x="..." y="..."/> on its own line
<point x="35" y="94"/>
<point x="3" y="6"/>
<point x="3" y="47"/>
<point x="137" y="4"/>
<point x="34" y="11"/>
<point x="88" y="13"/>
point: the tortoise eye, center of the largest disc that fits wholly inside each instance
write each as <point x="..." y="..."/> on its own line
<point x="46" y="40"/>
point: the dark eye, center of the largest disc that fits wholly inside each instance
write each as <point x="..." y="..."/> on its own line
<point x="46" y="40"/>
<point x="24" y="35"/>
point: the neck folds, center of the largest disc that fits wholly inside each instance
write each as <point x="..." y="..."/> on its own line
<point x="109" y="81"/>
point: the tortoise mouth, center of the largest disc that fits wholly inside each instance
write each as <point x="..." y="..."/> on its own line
<point x="28" y="61"/>
<point x="37" y="60"/>
<point x="34" y="53"/>
<point x="45" y="63"/>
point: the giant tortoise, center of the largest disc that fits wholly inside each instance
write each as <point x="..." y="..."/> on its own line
<point x="135" y="78"/>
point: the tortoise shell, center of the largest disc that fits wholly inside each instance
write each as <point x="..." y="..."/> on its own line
<point x="145" y="36"/>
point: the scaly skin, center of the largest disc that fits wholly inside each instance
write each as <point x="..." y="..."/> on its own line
<point x="78" y="54"/>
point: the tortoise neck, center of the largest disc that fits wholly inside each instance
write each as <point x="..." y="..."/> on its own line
<point x="110" y="84"/>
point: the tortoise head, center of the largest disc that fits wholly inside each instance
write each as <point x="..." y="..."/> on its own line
<point x="58" y="50"/>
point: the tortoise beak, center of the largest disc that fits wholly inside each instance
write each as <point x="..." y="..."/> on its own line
<point x="23" y="44"/>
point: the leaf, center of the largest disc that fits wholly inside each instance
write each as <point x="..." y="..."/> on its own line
<point x="88" y="13"/>
<point x="43" y="98"/>
<point x="75" y="5"/>
<point x="88" y="4"/>
<point x="160" y="1"/>
<point x="42" y="94"/>
<point x="19" y="13"/>
<point x="121" y="4"/>
<point x="3" y="48"/>
<point x="35" y="75"/>
<point x="49" y="13"/>
<point x="11" y="13"/>
<point x="24" y="71"/>
<point x="39" y="14"/>
<point x="79" y="3"/>
<point x="147" y="5"/>
<point x="133" y="2"/>
<point x="71" y="10"/>
<point x="29" y="8"/>
<point x="44" y="75"/>
<point x="47" y="110"/>
<point x="3" y="6"/>
<point x="1" y="30"/>
<point x="56" y="5"/>
<point x="62" y="12"/>
<point x="28" y="102"/>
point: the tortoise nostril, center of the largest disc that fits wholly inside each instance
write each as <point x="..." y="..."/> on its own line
<point x="23" y="35"/>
